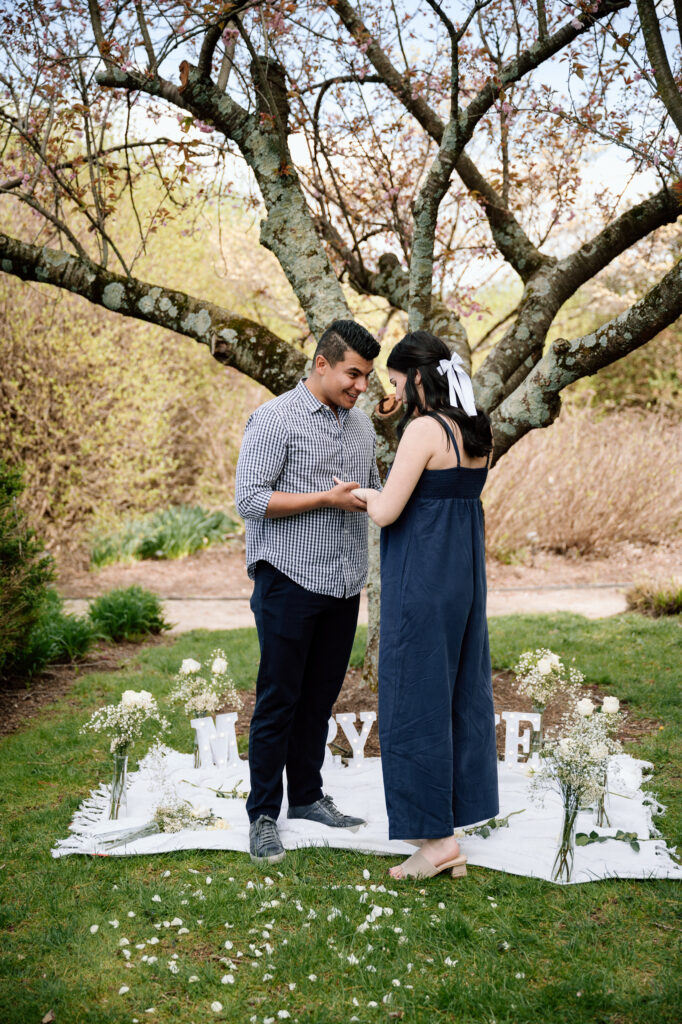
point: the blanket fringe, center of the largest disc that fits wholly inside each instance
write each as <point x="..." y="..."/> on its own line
<point x="91" y="812"/>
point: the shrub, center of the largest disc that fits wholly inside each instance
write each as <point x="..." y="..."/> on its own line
<point x="169" y="533"/>
<point x="127" y="614"/>
<point x="25" y="570"/>
<point x="55" y="637"/>
<point x="655" y="600"/>
<point x="586" y="483"/>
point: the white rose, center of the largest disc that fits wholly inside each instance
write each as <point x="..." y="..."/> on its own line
<point x="555" y="660"/>
<point x="610" y="705"/>
<point x="544" y="666"/>
<point x="599" y="752"/>
<point x="201" y="812"/>
<point x="565" y="746"/>
<point x="189" y="666"/>
<point x="585" y="707"/>
<point x="219" y="667"/>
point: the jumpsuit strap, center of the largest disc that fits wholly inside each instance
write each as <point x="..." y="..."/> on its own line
<point x="449" y="431"/>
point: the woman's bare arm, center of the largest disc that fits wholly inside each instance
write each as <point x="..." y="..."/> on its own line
<point x="416" y="447"/>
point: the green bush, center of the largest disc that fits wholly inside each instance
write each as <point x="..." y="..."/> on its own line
<point x="655" y="600"/>
<point x="25" y="571"/>
<point x="169" y="533"/>
<point x="55" y="637"/>
<point x="127" y="614"/>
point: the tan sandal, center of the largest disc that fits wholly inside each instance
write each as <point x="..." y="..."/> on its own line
<point x="418" y="866"/>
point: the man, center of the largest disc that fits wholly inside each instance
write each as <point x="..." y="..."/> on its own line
<point x="306" y="550"/>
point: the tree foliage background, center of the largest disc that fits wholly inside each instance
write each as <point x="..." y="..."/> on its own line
<point x="398" y="156"/>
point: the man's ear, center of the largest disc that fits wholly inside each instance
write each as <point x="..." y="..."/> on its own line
<point x="320" y="364"/>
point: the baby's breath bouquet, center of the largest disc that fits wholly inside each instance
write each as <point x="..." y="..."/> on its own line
<point x="175" y="815"/>
<point x="610" y="719"/>
<point x="541" y="675"/>
<point x="203" y="689"/>
<point x="124" y="722"/>
<point x="575" y="766"/>
<point x="171" y="815"/>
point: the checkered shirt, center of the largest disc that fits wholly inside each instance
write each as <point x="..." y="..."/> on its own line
<point x="295" y="443"/>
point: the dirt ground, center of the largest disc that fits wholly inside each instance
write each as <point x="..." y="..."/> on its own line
<point x="219" y="573"/>
<point x="211" y="589"/>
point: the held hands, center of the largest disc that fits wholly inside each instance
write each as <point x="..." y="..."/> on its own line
<point x="346" y="496"/>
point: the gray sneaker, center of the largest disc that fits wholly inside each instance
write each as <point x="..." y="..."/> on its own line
<point x="326" y="813"/>
<point x="264" y="843"/>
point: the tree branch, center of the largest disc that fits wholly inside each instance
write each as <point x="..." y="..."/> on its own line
<point x="288" y="231"/>
<point x="233" y="339"/>
<point x="550" y="287"/>
<point x="536" y="402"/>
<point x="528" y="60"/>
<point x="655" y="48"/>
<point x="151" y="56"/>
<point x="79" y="161"/>
<point x="512" y="241"/>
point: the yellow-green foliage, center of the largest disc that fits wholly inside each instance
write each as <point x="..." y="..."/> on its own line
<point x="109" y="415"/>
<point x="112" y="416"/>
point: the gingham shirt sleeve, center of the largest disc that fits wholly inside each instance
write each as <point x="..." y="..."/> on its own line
<point x="261" y="460"/>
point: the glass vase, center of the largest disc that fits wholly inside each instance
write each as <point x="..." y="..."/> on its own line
<point x="537" y="735"/>
<point x="601" y="818"/>
<point x="119" y="800"/>
<point x="197" y="752"/>
<point x="563" y="864"/>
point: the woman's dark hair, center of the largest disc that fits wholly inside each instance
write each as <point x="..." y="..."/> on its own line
<point x="422" y="351"/>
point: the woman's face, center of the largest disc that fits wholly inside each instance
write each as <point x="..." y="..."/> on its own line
<point x="399" y="379"/>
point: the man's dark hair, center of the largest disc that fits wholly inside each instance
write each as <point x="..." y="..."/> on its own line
<point x="345" y="334"/>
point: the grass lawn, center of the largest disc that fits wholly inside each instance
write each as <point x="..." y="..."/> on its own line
<point x="490" y="948"/>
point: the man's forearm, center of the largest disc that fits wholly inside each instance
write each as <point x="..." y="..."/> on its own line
<point x="283" y="503"/>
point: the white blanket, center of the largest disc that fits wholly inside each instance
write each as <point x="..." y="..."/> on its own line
<point x="526" y="847"/>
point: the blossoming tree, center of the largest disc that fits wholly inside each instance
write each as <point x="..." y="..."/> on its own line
<point x="388" y="145"/>
<point x="422" y="142"/>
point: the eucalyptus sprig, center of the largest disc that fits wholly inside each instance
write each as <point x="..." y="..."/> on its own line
<point x="585" y="839"/>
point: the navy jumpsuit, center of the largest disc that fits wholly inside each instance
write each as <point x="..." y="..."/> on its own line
<point x="436" y="717"/>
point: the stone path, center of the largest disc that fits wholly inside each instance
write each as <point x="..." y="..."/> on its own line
<point x="594" y="601"/>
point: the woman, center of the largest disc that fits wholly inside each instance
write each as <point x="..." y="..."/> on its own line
<point x="436" y="718"/>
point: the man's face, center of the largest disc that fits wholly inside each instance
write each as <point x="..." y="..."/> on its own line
<point x="342" y="384"/>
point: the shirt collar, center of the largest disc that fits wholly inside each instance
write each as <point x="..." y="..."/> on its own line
<point x="308" y="399"/>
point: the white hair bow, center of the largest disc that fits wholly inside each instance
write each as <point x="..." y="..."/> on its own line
<point x="459" y="384"/>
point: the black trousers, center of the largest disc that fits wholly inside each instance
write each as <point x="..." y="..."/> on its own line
<point x="305" y="643"/>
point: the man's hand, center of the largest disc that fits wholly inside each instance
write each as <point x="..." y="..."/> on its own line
<point x="342" y="497"/>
